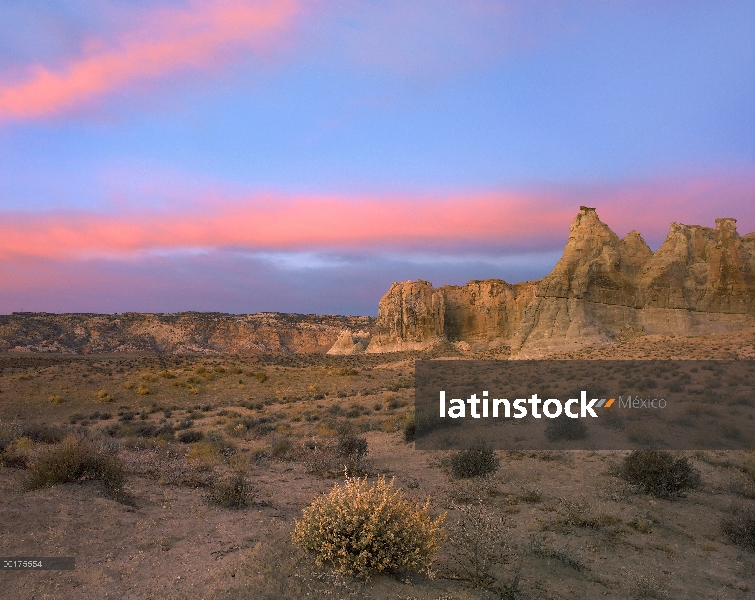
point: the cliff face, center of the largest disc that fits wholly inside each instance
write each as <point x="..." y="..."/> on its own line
<point x="701" y="280"/>
<point x="702" y="269"/>
<point x="416" y="316"/>
<point x="411" y="316"/>
<point x="204" y="333"/>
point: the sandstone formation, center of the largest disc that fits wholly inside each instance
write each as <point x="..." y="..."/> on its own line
<point x="416" y="316"/>
<point x="350" y="342"/>
<point x="203" y="333"/>
<point x="701" y="280"/>
<point x="410" y="317"/>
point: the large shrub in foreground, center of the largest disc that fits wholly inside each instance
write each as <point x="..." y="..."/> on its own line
<point x="361" y="529"/>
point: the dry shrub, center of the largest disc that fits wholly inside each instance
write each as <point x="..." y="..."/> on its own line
<point x="235" y="492"/>
<point x="389" y="425"/>
<point x="657" y="472"/>
<point x="351" y="445"/>
<point x="185" y="423"/>
<point x="190" y="436"/>
<point x="582" y="514"/>
<point x="280" y="446"/>
<point x="143" y="389"/>
<point x="55" y="399"/>
<point x="477" y="461"/>
<point x="103" y="396"/>
<point x="637" y="433"/>
<point x="43" y="434"/>
<point x="204" y="456"/>
<point x="362" y="529"/>
<point x="249" y="425"/>
<point x="410" y="429"/>
<point x="470" y="491"/>
<point x="537" y="548"/>
<point x="565" y="428"/>
<point x="476" y="537"/>
<point x="648" y="586"/>
<point x="347" y="454"/>
<point x="740" y="527"/>
<point x="72" y="460"/>
<point x="16" y="454"/>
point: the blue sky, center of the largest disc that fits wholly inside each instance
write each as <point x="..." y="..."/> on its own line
<point x="127" y="127"/>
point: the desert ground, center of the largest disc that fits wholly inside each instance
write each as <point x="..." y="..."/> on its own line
<point x="549" y="525"/>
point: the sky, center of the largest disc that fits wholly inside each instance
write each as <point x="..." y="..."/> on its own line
<point x="300" y="155"/>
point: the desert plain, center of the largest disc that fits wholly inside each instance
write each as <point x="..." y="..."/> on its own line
<point x="551" y="524"/>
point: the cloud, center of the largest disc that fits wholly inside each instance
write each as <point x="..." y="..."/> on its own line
<point x="238" y="282"/>
<point x="534" y="220"/>
<point x="169" y="40"/>
<point x="285" y="223"/>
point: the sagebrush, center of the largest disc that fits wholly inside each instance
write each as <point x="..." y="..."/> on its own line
<point x="362" y="529"/>
<point x="332" y="459"/>
<point x="565" y="428"/>
<point x="739" y="526"/>
<point x="477" y="542"/>
<point x="659" y="473"/>
<point x="75" y="459"/>
<point x="235" y="492"/>
<point x="474" y="462"/>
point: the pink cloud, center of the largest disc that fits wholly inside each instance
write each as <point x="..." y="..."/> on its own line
<point x="495" y="220"/>
<point x="170" y="40"/>
<point x="280" y="223"/>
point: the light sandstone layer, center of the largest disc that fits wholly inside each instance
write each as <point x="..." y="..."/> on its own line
<point x="350" y="342"/>
<point x="603" y="289"/>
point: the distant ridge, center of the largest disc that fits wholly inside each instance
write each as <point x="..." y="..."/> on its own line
<point x="175" y="333"/>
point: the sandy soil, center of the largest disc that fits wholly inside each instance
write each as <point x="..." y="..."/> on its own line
<point x="571" y="527"/>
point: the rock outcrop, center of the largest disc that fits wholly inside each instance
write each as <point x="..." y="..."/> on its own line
<point x="194" y="333"/>
<point x="701" y="280"/>
<point x="411" y="316"/>
<point x="482" y="314"/>
<point x="350" y="342"/>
